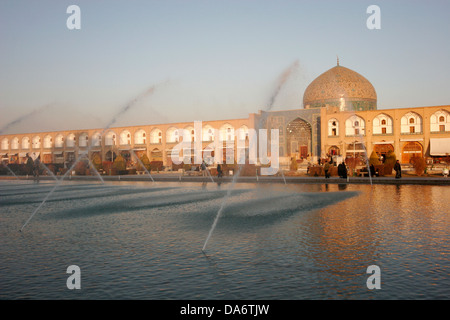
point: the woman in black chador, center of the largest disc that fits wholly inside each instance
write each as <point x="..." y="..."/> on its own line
<point x="372" y="170"/>
<point x="30" y="165"/>
<point x="219" y="171"/>
<point x="398" y="170"/>
<point x="342" y="170"/>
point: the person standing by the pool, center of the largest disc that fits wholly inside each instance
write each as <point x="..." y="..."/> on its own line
<point x="398" y="170"/>
<point x="372" y="170"/>
<point x="37" y="166"/>
<point x="342" y="170"/>
<point x="30" y="165"/>
<point x="326" y="168"/>
<point x="219" y="171"/>
<point x="204" y="168"/>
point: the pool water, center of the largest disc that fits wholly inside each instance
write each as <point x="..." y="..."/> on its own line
<point x="144" y="240"/>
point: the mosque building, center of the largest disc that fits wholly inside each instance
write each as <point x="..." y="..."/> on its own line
<point x="339" y="118"/>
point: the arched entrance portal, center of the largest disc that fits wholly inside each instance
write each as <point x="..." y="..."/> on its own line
<point x="334" y="151"/>
<point x="110" y="156"/>
<point x="383" y="149"/>
<point x="299" y="135"/>
<point x="156" y="155"/>
<point x="411" y="149"/>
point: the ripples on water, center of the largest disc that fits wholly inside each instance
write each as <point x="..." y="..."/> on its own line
<point x="143" y="241"/>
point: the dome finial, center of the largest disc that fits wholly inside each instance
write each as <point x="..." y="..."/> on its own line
<point x="337" y="59"/>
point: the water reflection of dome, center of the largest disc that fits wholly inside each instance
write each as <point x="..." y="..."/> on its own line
<point x="343" y="88"/>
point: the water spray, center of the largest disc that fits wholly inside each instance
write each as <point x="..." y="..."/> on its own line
<point x="224" y="201"/>
<point x="281" y="82"/>
<point x="282" y="174"/>
<point x="113" y="120"/>
<point x="24" y="117"/>
<point x="91" y="165"/>
<point x="209" y="174"/>
<point x="9" y="169"/>
<point x="367" y="163"/>
<point x="283" y="78"/>
<point x="142" y="165"/>
<point x="48" y="171"/>
<point x="365" y="151"/>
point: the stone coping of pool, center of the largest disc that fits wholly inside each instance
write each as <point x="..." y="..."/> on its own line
<point x="423" y="180"/>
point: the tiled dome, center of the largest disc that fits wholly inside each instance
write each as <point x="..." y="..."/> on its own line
<point x="343" y="88"/>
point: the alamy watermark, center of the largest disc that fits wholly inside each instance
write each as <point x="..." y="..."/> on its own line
<point x="374" y="280"/>
<point x="74" y="280"/>
<point x="74" y="20"/>
<point x="374" y="20"/>
<point x="256" y="152"/>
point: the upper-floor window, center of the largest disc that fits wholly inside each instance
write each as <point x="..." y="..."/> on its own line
<point x="440" y="121"/>
<point x="382" y="124"/>
<point x="355" y="125"/>
<point x="411" y="122"/>
<point x="333" y="127"/>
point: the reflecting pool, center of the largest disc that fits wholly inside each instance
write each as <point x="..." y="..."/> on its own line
<point x="143" y="240"/>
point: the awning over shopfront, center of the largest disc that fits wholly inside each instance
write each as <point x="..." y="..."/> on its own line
<point x="356" y="151"/>
<point x="173" y="152"/>
<point x="59" y="156"/>
<point x="439" y="146"/>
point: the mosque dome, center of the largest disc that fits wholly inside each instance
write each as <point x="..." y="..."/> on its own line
<point x="340" y="87"/>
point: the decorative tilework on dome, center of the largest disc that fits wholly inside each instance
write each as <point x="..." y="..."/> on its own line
<point x="340" y="82"/>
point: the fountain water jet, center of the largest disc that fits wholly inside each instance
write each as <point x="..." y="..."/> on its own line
<point x="24" y="117"/>
<point x="91" y="165"/>
<point x="9" y="169"/>
<point x="48" y="171"/>
<point x="281" y="82"/>
<point x="224" y="201"/>
<point x="142" y="165"/>
<point x="283" y="78"/>
<point x="209" y="174"/>
<point x="282" y="174"/>
<point x="113" y="120"/>
<point x="367" y="160"/>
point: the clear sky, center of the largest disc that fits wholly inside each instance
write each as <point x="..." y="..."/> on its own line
<point x="209" y="59"/>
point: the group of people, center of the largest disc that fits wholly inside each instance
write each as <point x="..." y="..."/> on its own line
<point x="342" y="169"/>
<point x="205" y="172"/>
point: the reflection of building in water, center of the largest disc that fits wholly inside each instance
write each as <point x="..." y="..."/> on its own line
<point x="339" y="117"/>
